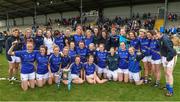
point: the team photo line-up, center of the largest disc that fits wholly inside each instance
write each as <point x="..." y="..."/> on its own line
<point x="94" y="56"/>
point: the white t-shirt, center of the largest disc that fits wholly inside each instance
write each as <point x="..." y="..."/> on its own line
<point x="49" y="42"/>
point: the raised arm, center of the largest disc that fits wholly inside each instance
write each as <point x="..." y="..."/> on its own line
<point x="10" y="51"/>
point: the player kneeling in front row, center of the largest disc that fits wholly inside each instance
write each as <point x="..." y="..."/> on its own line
<point x="42" y="71"/>
<point x="27" y="64"/>
<point x="90" y="72"/>
<point x="134" y="66"/>
<point x="76" y="71"/>
<point x="112" y="62"/>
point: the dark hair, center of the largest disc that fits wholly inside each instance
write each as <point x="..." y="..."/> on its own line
<point x="16" y="29"/>
<point x="77" y="56"/>
<point x="30" y="41"/>
<point x="133" y="33"/>
<point x="56" y="32"/>
<point x="152" y="32"/>
<point x="105" y="32"/>
<point x="44" y="47"/>
<point x="98" y="33"/>
<point x="81" y="42"/>
<point x="90" y="56"/>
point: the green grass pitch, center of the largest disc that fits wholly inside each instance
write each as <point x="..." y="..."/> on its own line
<point x="110" y="91"/>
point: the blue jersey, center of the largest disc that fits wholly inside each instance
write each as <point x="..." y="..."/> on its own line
<point x="27" y="61"/>
<point x="101" y="58"/>
<point x="66" y="60"/>
<point x="83" y="53"/>
<point x="77" y="39"/>
<point x="42" y="63"/>
<point x="55" y="62"/>
<point x="123" y="59"/>
<point x="89" y="68"/>
<point x="155" y="49"/>
<point x="87" y="41"/>
<point x="144" y="46"/>
<point x="60" y="42"/>
<point x="135" y="43"/>
<point x="72" y="54"/>
<point x="134" y="65"/>
<point x="38" y="40"/>
<point x="76" y="69"/>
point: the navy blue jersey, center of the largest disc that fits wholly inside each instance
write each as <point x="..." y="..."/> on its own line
<point x="123" y="59"/>
<point x="55" y="62"/>
<point x="135" y="43"/>
<point x="87" y="41"/>
<point x="38" y="40"/>
<point x="27" y="61"/>
<point x="72" y="54"/>
<point x="101" y="58"/>
<point x="89" y="68"/>
<point x="8" y="45"/>
<point x="77" y="39"/>
<point x="114" y="41"/>
<point x="112" y="62"/>
<point x="66" y="61"/>
<point x="42" y="63"/>
<point x="144" y="46"/>
<point x="155" y="49"/>
<point x="167" y="47"/>
<point x="59" y="41"/>
<point x="83" y="53"/>
<point x="76" y="69"/>
<point x="91" y="52"/>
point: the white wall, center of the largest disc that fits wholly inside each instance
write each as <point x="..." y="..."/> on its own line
<point x="19" y="21"/>
<point x="152" y="8"/>
<point x="123" y="11"/>
<point x="54" y="16"/>
<point x="41" y="19"/>
<point x="70" y="14"/>
<point x="174" y="7"/>
<point x="28" y="20"/>
<point x="2" y="23"/>
<point x="117" y="11"/>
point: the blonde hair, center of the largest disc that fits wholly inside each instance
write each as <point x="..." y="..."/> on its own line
<point x="55" y="46"/>
<point x="132" y="48"/>
<point x="142" y="30"/>
<point x="27" y="30"/>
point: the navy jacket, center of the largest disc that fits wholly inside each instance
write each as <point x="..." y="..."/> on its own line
<point x="166" y="46"/>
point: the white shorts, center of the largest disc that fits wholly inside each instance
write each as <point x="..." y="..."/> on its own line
<point x="90" y="76"/>
<point x="169" y="64"/>
<point x="30" y="76"/>
<point x="101" y="70"/>
<point x="156" y="61"/>
<point x="56" y="74"/>
<point x="42" y="76"/>
<point x="112" y="74"/>
<point x="134" y="76"/>
<point x="124" y="71"/>
<point x="147" y="59"/>
<point x="15" y="59"/>
<point x="74" y="76"/>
